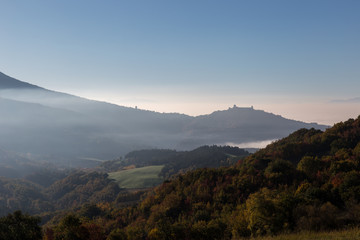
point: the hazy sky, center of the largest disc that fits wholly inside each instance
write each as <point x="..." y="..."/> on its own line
<point x="290" y="57"/>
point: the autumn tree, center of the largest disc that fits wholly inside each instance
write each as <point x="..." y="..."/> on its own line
<point x="19" y="226"/>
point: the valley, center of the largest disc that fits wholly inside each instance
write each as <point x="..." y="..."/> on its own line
<point x="180" y="120"/>
<point x="135" y="174"/>
<point x="305" y="183"/>
<point x="45" y="125"/>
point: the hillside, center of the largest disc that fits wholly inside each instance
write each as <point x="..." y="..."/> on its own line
<point x="307" y="181"/>
<point x="7" y="82"/>
<point x="244" y="125"/>
<point x="38" y="189"/>
<point x="143" y="177"/>
<point x="46" y="192"/>
<point x="70" y="129"/>
<point x="175" y="162"/>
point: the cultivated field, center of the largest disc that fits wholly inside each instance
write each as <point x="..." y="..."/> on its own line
<point x="144" y="177"/>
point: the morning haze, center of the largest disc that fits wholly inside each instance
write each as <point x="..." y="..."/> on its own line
<point x="197" y="57"/>
<point x="179" y="119"/>
<point x="41" y="123"/>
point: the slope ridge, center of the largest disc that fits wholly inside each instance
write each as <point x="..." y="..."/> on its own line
<point x="80" y="128"/>
<point x="7" y="82"/>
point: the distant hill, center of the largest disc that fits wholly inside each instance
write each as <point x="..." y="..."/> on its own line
<point x="177" y="162"/>
<point x="239" y="125"/>
<point x="12" y="165"/>
<point x="76" y="131"/>
<point x="7" y="82"/>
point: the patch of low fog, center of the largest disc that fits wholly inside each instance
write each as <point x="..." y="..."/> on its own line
<point x="39" y="96"/>
<point x="256" y="144"/>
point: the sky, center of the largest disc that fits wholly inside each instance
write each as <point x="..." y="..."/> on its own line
<point x="296" y="58"/>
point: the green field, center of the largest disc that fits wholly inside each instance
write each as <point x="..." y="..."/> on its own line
<point x="144" y="177"/>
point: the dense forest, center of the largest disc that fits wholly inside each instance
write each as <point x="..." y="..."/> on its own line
<point x="309" y="180"/>
<point x="47" y="191"/>
<point x="176" y="162"/>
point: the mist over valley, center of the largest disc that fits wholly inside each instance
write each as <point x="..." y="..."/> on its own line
<point x="47" y="125"/>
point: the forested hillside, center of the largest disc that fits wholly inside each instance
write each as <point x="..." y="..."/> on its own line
<point x="307" y="181"/>
<point x="176" y="162"/>
<point x="70" y="191"/>
<point x="47" y="190"/>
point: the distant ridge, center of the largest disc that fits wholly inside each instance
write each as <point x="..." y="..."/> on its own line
<point x="349" y="100"/>
<point x="7" y="82"/>
<point x="42" y="122"/>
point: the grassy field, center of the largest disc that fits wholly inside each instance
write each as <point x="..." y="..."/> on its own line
<point x="144" y="177"/>
<point x="349" y="234"/>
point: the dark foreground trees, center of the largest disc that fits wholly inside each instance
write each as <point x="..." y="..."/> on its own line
<point x="19" y="226"/>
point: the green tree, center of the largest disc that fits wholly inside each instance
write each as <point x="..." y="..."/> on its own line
<point x="18" y="226"/>
<point x="70" y="228"/>
<point x="268" y="212"/>
<point x="117" y="234"/>
<point x="310" y="166"/>
<point x="280" y="172"/>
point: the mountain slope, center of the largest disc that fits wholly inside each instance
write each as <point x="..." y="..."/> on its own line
<point x="7" y="82"/>
<point x="243" y="125"/>
<point x="308" y="181"/>
<point x="70" y="127"/>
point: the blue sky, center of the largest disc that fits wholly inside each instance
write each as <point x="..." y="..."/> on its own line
<point x="288" y="57"/>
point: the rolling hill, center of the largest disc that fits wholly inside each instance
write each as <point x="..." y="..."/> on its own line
<point x="308" y="181"/>
<point x="72" y="130"/>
